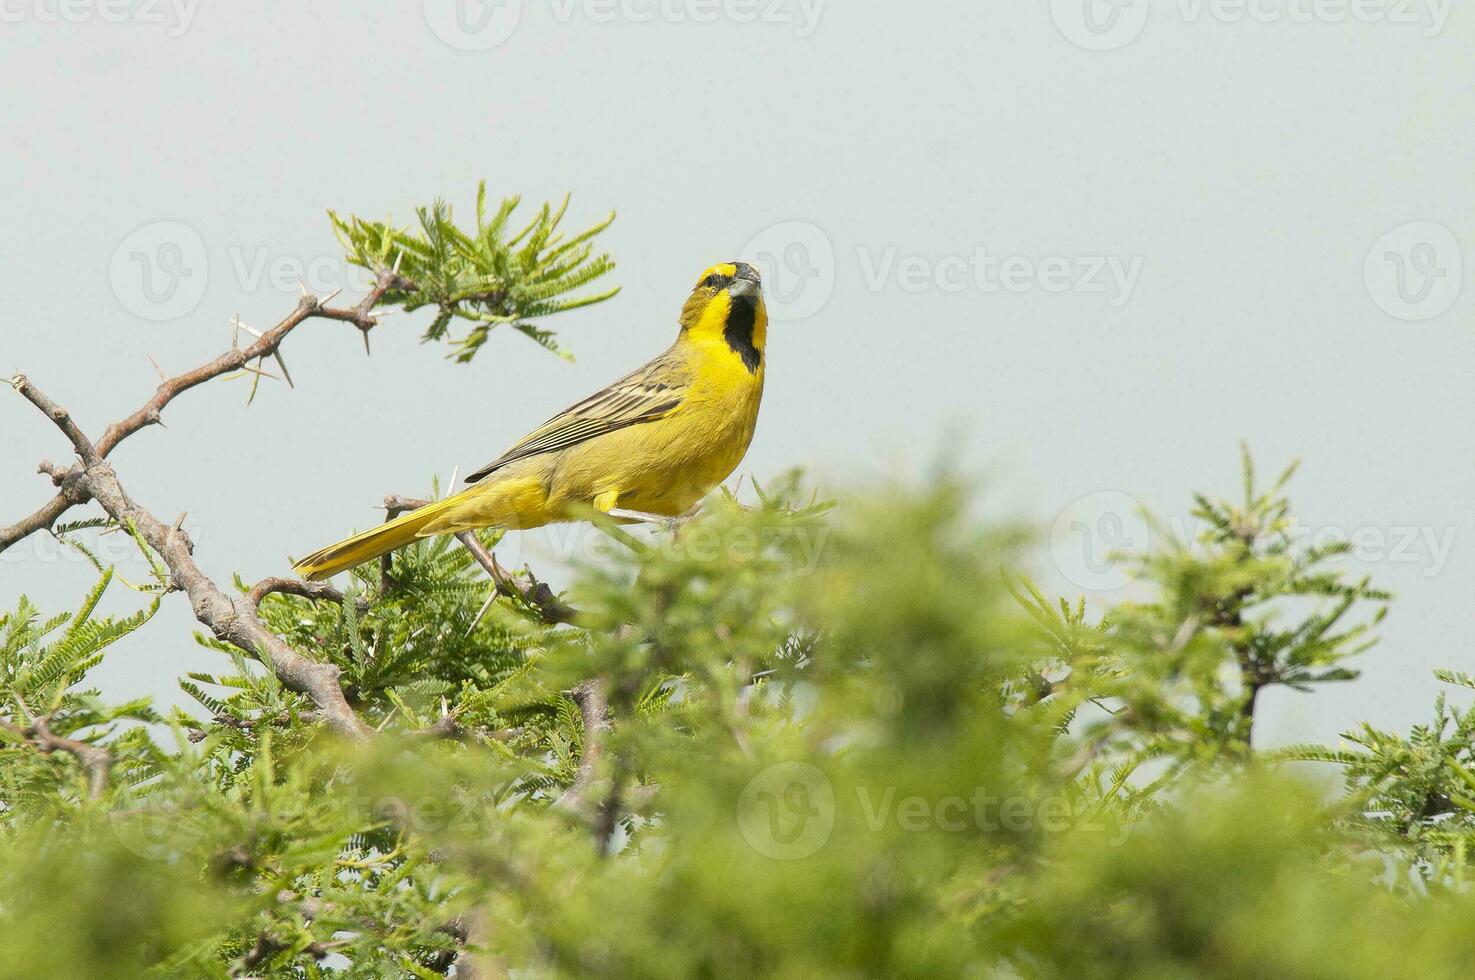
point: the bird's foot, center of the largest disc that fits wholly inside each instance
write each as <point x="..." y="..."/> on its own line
<point x="671" y="524"/>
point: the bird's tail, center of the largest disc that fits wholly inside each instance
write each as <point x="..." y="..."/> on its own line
<point x="371" y="544"/>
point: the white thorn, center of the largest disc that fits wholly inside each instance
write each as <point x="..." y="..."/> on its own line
<point x="257" y="370"/>
<point x="397" y="260"/>
<point x="328" y="298"/>
<point x="162" y="375"/>
<point x="302" y="286"/>
<point x="491" y="598"/>
<point x="455" y="474"/>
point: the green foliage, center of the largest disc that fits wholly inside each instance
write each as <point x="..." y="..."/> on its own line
<point x="41" y="664"/>
<point x="1245" y="605"/>
<point x="496" y="273"/>
<point x="1232" y="883"/>
<point x="1416" y="792"/>
<point x="840" y="741"/>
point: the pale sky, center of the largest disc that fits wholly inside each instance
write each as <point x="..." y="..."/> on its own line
<point x="1087" y="247"/>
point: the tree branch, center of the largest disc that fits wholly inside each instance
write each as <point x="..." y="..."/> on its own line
<point x="266" y="345"/>
<point x="317" y="591"/>
<point x="48" y="515"/>
<point x="232" y="621"/>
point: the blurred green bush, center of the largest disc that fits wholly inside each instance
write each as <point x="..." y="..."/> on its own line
<point x="788" y="740"/>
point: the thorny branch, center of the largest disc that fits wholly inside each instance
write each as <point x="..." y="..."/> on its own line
<point x="72" y="490"/>
<point x="232" y="620"/>
<point x="236" y="620"/>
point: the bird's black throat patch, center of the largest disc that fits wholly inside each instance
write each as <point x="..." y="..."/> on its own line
<point x="739" y="333"/>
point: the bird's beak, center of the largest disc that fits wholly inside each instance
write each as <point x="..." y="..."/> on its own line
<point x="745" y="288"/>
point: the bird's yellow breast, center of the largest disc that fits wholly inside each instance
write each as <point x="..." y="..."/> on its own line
<point x="666" y="466"/>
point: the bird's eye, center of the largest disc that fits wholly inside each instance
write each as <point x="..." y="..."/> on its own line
<point x="714" y="281"/>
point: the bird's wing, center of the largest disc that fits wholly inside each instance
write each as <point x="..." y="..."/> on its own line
<point x="649" y="393"/>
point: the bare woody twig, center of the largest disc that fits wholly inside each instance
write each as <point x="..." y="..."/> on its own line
<point x="72" y="492"/>
<point x="43" y="518"/>
<point x="307" y="590"/>
<point x="232" y="621"/>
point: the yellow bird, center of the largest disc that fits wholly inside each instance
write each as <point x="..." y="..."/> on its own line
<point x="649" y="446"/>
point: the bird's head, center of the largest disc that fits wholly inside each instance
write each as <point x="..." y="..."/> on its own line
<point x="727" y="306"/>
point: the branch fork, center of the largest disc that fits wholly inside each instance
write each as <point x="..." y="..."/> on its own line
<point x="92" y="478"/>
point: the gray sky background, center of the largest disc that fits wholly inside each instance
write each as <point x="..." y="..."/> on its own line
<point x="1201" y="230"/>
